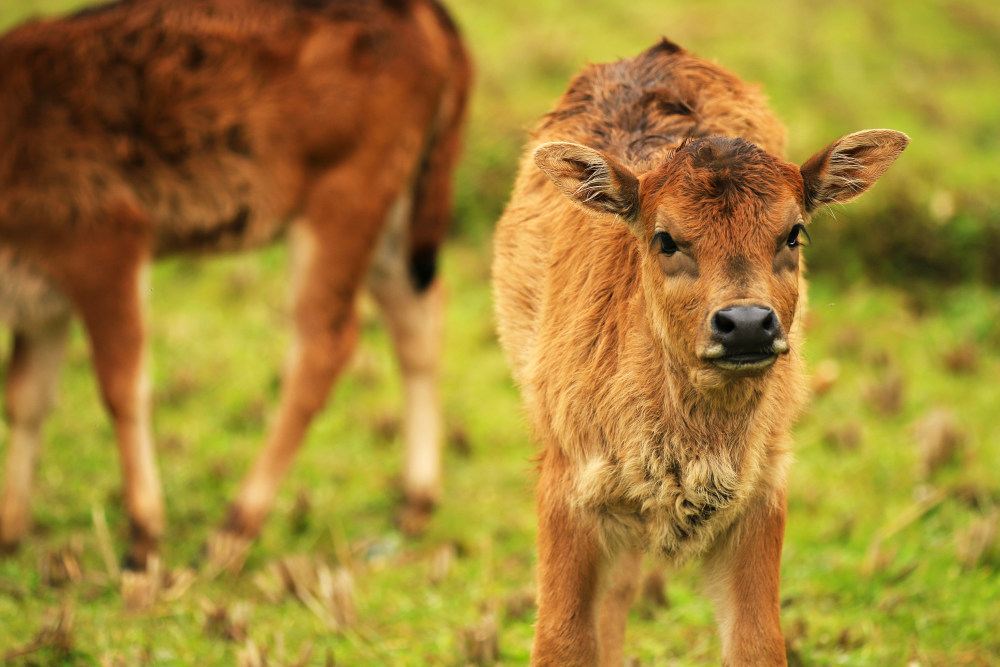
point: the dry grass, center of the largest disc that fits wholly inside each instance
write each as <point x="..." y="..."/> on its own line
<point x="939" y="440"/>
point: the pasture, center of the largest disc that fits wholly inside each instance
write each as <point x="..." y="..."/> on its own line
<point x="892" y="551"/>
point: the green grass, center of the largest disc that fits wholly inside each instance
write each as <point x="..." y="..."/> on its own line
<point x="919" y="602"/>
<point x="220" y="332"/>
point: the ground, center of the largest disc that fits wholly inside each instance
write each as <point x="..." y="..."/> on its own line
<point x="880" y="566"/>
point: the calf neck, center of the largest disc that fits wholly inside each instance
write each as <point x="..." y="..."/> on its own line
<point x="650" y="296"/>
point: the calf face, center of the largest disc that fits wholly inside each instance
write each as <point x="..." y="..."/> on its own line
<point x="720" y="224"/>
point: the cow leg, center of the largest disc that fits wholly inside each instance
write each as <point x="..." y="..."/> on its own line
<point x="570" y="568"/>
<point x="107" y="280"/>
<point x="620" y="584"/>
<point x="743" y="573"/>
<point x="326" y="330"/>
<point x="332" y="246"/>
<point x="30" y="394"/>
<point x="414" y="315"/>
<point x="415" y="321"/>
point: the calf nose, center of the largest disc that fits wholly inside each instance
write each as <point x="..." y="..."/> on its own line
<point x="744" y="329"/>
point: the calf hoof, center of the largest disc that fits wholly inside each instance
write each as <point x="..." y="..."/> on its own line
<point x="226" y="551"/>
<point x="141" y="588"/>
<point x="8" y="547"/>
<point x="142" y="550"/>
<point x="13" y="527"/>
<point x="415" y="515"/>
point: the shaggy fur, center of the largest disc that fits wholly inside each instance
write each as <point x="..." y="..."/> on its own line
<point x="650" y="443"/>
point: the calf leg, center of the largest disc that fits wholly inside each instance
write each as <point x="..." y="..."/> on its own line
<point x="416" y="330"/>
<point x="621" y="582"/>
<point x="332" y="249"/>
<point x="744" y="572"/>
<point x="570" y="564"/>
<point x="414" y="315"/>
<point x="326" y="331"/>
<point x="106" y="280"/>
<point x="30" y="393"/>
<point x="413" y="300"/>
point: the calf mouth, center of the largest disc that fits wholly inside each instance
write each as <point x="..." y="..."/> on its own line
<point x="744" y="360"/>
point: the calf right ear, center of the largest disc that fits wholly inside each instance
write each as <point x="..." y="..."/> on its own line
<point x="591" y="179"/>
<point x="849" y="166"/>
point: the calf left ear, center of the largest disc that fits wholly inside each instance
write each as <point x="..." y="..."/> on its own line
<point x="849" y="166"/>
<point x="591" y="179"/>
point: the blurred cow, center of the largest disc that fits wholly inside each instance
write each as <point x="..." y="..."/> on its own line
<point x="149" y="128"/>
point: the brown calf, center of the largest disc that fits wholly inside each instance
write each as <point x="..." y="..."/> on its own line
<point x="149" y="128"/>
<point x="651" y="306"/>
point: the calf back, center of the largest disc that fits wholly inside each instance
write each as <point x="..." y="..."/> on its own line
<point x="212" y="119"/>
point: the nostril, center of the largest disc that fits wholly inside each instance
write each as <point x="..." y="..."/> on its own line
<point x="723" y="323"/>
<point x="770" y="323"/>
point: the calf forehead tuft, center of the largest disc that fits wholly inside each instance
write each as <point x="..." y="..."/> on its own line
<point x="727" y="171"/>
<point x="737" y="157"/>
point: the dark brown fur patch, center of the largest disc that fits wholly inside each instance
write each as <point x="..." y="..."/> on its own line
<point x="339" y="7"/>
<point x="736" y="165"/>
<point x="195" y="57"/>
<point x="663" y="47"/>
<point x="225" y="233"/>
<point x="238" y="142"/>
<point x="97" y="10"/>
<point x="722" y="175"/>
<point x="423" y="268"/>
<point x="447" y="22"/>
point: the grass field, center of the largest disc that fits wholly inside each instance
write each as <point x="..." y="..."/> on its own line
<point x="891" y="555"/>
<point x="861" y="585"/>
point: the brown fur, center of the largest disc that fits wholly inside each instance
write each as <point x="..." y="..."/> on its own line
<point x="149" y="128"/>
<point x="649" y="444"/>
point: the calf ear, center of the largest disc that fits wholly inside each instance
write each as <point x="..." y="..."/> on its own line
<point x="591" y="179"/>
<point x="849" y="166"/>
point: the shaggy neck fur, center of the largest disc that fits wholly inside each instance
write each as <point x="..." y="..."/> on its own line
<point x="661" y="463"/>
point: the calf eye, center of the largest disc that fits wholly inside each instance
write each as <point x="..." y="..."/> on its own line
<point x="667" y="245"/>
<point x="794" y="237"/>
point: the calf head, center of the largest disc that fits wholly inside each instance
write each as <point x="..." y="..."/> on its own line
<point x="720" y="224"/>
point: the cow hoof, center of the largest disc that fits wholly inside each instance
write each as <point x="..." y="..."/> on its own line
<point x="226" y="552"/>
<point x="415" y="515"/>
<point x="141" y="588"/>
<point x="8" y="548"/>
<point x="13" y="527"/>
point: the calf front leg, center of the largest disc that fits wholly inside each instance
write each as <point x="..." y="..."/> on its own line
<point x="744" y="571"/>
<point x="620" y="584"/>
<point x="106" y="279"/>
<point x="332" y="247"/>
<point x="30" y="393"/>
<point x="326" y="331"/>
<point x="570" y="564"/>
